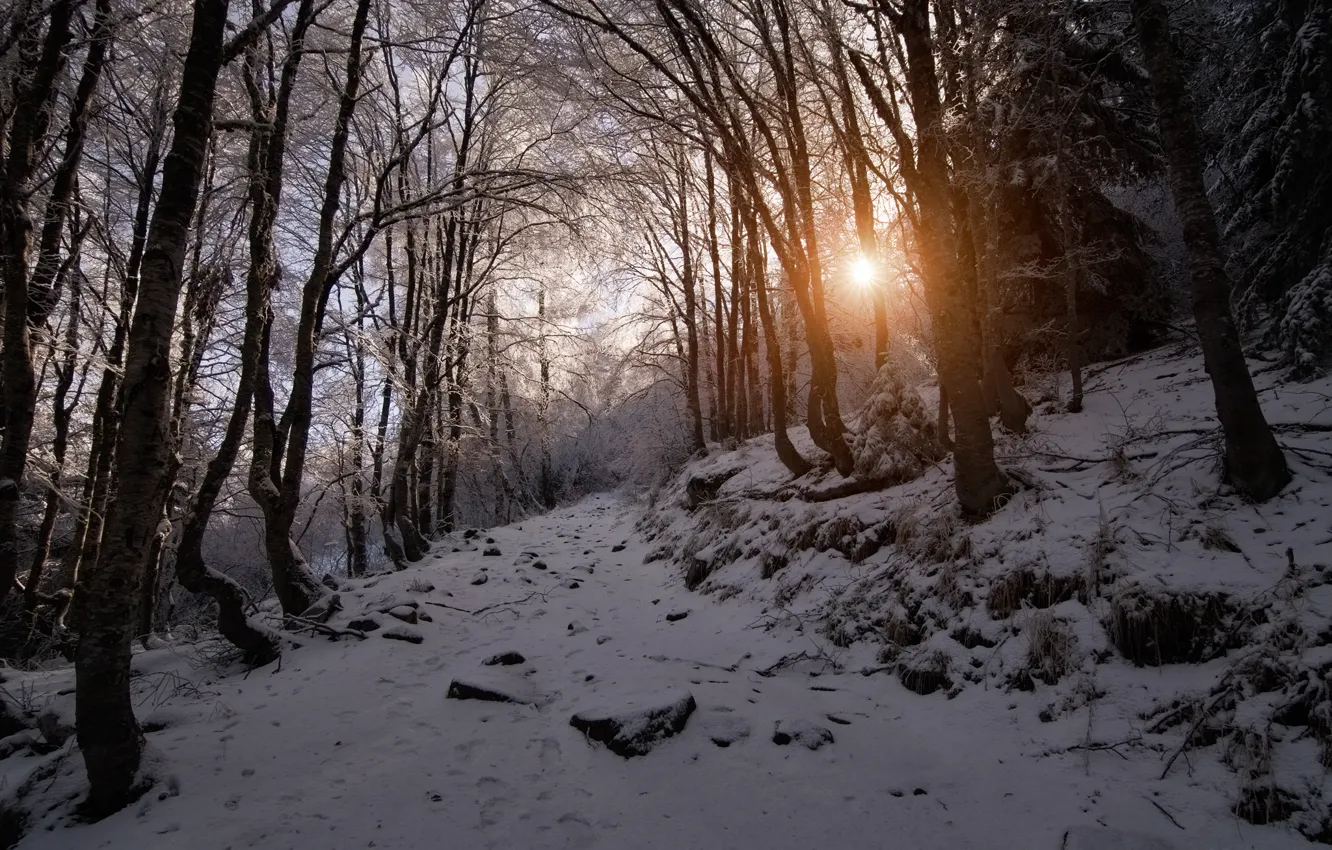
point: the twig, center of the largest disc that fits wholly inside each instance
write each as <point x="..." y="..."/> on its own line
<point x="1188" y="736"/>
<point x="1162" y="810"/>
<point x="324" y="628"/>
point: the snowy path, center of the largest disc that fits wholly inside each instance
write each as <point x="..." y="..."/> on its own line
<point x="353" y="744"/>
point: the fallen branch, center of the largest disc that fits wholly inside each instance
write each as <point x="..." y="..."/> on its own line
<point x="323" y="628"/>
<point x="1202" y="715"/>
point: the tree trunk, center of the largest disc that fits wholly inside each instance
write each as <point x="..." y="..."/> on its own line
<point x="109" y="737"/>
<point x="1254" y="461"/>
<point x="978" y="481"/>
<point x="42" y="61"/>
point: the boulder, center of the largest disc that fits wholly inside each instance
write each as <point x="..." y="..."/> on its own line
<point x="506" y="659"/>
<point x="634" y="726"/>
<point x="495" y="686"/>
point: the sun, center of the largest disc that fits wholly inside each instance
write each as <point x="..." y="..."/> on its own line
<point x="863" y="271"/>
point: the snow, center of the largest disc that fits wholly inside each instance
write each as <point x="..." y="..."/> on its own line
<point x="354" y="743"/>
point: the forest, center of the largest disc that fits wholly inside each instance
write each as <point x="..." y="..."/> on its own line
<point x="304" y="295"/>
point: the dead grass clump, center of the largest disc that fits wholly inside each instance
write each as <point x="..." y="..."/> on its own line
<point x="773" y="563"/>
<point x="839" y="533"/>
<point x="699" y="569"/>
<point x="1264" y="804"/>
<point x="926" y="673"/>
<point x="1211" y="535"/>
<point x="1051" y="648"/>
<point x="1153" y="628"/>
<point x="1011" y="590"/>
<point x="970" y="638"/>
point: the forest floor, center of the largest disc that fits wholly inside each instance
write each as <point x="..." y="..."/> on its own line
<point x="358" y="743"/>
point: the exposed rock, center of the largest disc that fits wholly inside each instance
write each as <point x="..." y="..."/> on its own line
<point x="577" y="628"/>
<point x="638" y="724"/>
<point x="538" y="565"/>
<point x="809" y="735"/>
<point x="364" y="624"/>
<point x="490" y="540"/>
<point x="403" y="612"/>
<point x="402" y="633"/>
<point x="329" y="582"/>
<point x="495" y="686"/>
<point x="506" y="659"/>
<point x="470" y="533"/>
<point x="619" y="547"/>
<point x="54" y="728"/>
<point x="602" y="639"/>
<point x="572" y="584"/>
<point x="480" y="578"/>
<point x="676" y="616"/>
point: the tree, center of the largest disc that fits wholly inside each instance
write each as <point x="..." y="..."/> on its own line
<point x="109" y="736"/>
<point x="1254" y="462"/>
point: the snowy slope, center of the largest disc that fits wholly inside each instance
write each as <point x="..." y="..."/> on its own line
<point x="354" y="743"/>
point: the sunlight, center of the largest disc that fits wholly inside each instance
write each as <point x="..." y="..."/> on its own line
<point x="863" y="272"/>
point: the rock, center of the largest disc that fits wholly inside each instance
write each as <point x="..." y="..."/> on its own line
<point x="636" y="725"/>
<point x="840" y="721"/>
<point x="491" y="552"/>
<point x="809" y="735"/>
<point x="577" y="628"/>
<point x="619" y="547"/>
<point x="676" y="616"/>
<point x="506" y="659"/>
<point x="329" y="582"/>
<point x="364" y="624"/>
<point x="495" y="686"/>
<point x="54" y="729"/>
<point x="403" y="612"/>
<point x="402" y="633"/>
<point x="538" y="565"/>
<point x="572" y="584"/>
<point x="919" y="792"/>
<point x="490" y="540"/>
<point x="470" y="533"/>
<point x="480" y="578"/>
<point x="602" y="639"/>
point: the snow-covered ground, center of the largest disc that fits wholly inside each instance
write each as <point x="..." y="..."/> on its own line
<point x="356" y="743"/>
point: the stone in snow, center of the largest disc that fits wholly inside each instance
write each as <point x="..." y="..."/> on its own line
<point x="403" y="633"/>
<point x="577" y="628"/>
<point x="572" y="584"/>
<point x="809" y="735"/>
<point x="491" y="552"/>
<point x="619" y="547"/>
<point x="495" y="686"/>
<point x="539" y="565"/>
<point x="602" y="639"/>
<point x="675" y="616"/>
<point x="635" y="726"/>
<point x="363" y="624"/>
<point x="403" y="612"/>
<point x="506" y="659"/>
<point x="480" y="578"/>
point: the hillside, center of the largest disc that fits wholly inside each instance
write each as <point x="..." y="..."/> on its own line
<point x="784" y="672"/>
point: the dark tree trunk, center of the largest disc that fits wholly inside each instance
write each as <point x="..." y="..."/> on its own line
<point x="1254" y="461"/>
<point x="42" y="63"/>
<point x="978" y="481"/>
<point x="109" y="736"/>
